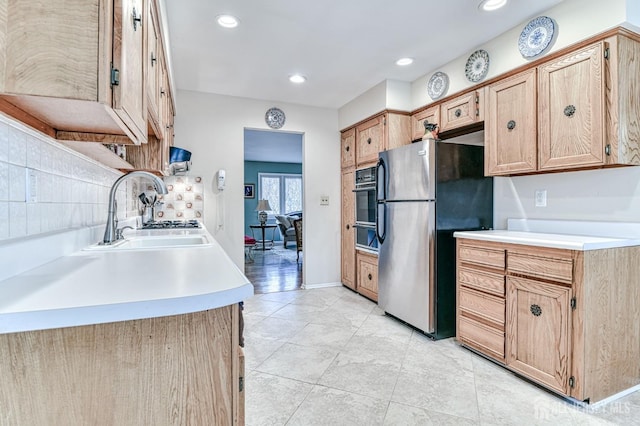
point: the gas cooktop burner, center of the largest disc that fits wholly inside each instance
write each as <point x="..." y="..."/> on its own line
<point x="171" y="224"/>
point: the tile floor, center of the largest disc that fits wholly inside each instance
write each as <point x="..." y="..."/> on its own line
<point x="331" y="357"/>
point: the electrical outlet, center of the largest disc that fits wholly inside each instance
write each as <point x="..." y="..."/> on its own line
<point x="541" y="198"/>
<point x="324" y="200"/>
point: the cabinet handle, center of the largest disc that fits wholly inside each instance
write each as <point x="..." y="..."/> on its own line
<point x="458" y="112"/>
<point x="511" y="125"/>
<point x="137" y="19"/>
<point x="536" y="310"/>
<point x="569" y="110"/>
<point x="369" y="276"/>
<point x="347" y="148"/>
<point x="162" y="91"/>
<point x="348" y="227"/>
<point x="369" y="141"/>
<point x="153" y="59"/>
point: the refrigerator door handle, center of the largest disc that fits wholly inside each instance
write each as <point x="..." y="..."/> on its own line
<point x="381" y="180"/>
<point x="381" y="216"/>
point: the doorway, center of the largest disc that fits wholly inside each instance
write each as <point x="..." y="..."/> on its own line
<point x="273" y="179"/>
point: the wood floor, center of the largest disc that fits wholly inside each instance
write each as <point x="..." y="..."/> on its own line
<point x="274" y="270"/>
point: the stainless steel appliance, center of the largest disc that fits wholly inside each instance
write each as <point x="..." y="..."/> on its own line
<point x="365" y="204"/>
<point x="425" y="192"/>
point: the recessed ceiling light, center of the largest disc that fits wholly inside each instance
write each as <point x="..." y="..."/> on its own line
<point x="491" y="5"/>
<point x="297" y="78"/>
<point x="404" y="61"/>
<point x="227" y="21"/>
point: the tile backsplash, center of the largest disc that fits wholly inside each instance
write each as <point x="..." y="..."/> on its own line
<point x="185" y="200"/>
<point x="46" y="187"/>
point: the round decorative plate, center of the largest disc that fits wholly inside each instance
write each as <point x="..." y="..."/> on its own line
<point x="437" y="85"/>
<point x="477" y="66"/>
<point x="536" y="36"/>
<point x="274" y="118"/>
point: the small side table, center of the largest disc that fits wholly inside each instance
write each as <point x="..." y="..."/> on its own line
<point x="264" y="240"/>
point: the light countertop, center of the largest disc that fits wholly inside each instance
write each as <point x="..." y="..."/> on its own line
<point x="541" y="239"/>
<point x="93" y="287"/>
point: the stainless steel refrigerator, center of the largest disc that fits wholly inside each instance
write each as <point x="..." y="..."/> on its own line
<point x="425" y="192"/>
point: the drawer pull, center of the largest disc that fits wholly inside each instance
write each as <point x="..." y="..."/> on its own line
<point x="369" y="276"/>
<point x="347" y="148"/>
<point x="569" y="110"/>
<point x="536" y="310"/>
<point x="348" y="227"/>
<point x="511" y="125"/>
<point x="458" y="112"/>
<point x="369" y="141"/>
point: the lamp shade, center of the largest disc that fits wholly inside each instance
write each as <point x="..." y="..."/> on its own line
<point x="263" y="205"/>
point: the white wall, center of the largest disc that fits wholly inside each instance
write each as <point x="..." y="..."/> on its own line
<point x="212" y="128"/>
<point x="576" y="20"/>
<point x="370" y="102"/>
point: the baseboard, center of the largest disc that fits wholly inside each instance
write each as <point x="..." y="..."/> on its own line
<point x="319" y="285"/>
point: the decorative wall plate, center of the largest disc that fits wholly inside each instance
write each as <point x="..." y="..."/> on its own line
<point x="477" y="66"/>
<point x="438" y="85"/>
<point x="274" y="118"/>
<point x="536" y="36"/>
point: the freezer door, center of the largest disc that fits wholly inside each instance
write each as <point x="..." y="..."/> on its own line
<point x="408" y="172"/>
<point x="406" y="263"/>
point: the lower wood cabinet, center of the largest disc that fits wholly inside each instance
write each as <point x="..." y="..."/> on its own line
<point x="181" y="369"/>
<point x="367" y="275"/>
<point x="565" y="319"/>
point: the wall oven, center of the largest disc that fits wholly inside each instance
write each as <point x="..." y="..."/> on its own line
<point x="365" y="203"/>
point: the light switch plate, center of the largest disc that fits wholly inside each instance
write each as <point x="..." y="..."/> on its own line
<point x="541" y="198"/>
<point x="31" y="186"/>
<point x="324" y="200"/>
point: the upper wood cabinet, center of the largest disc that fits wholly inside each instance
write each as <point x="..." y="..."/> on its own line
<point x="510" y="125"/>
<point x="154" y="61"/>
<point x="464" y="110"/>
<point x="571" y="110"/>
<point x="348" y="148"/>
<point x="369" y="140"/>
<point x="430" y="115"/>
<point x="78" y="72"/>
<point x="385" y="131"/>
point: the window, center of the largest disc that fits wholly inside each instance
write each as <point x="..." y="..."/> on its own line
<point x="284" y="191"/>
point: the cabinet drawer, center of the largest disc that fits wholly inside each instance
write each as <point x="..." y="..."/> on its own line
<point x="481" y="256"/>
<point x="482" y="305"/>
<point x="555" y="269"/>
<point x="481" y="280"/>
<point x="461" y="111"/>
<point x="367" y="273"/>
<point x="486" y="339"/>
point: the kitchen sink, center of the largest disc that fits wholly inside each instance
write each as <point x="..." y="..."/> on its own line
<point x="154" y="242"/>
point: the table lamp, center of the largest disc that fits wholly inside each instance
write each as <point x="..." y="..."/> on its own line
<point x="261" y="207"/>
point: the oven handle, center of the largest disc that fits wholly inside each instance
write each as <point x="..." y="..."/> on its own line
<point x="364" y="226"/>
<point x="363" y="189"/>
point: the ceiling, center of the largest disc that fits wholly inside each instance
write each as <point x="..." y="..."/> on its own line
<point x="343" y="47"/>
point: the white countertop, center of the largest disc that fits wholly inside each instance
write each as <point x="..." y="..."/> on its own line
<point x="562" y="241"/>
<point x="93" y="287"/>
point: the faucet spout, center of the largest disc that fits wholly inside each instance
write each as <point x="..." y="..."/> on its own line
<point x="112" y="219"/>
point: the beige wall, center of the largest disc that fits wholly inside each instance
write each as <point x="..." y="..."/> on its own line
<point x="211" y="127"/>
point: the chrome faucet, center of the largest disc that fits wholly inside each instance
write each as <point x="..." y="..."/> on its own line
<point x="110" y="234"/>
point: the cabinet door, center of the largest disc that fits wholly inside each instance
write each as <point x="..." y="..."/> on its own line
<point x="348" y="254"/>
<point x="367" y="272"/>
<point x="571" y="110"/>
<point x="510" y="127"/>
<point x="462" y="111"/>
<point x="430" y="115"/>
<point x="537" y="334"/>
<point x="347" y="145"/>
<point x="397" y="129"/>
<point x="129" y="101"/>
<point x="152" y="70"/>
<point x="369" y="140"/>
